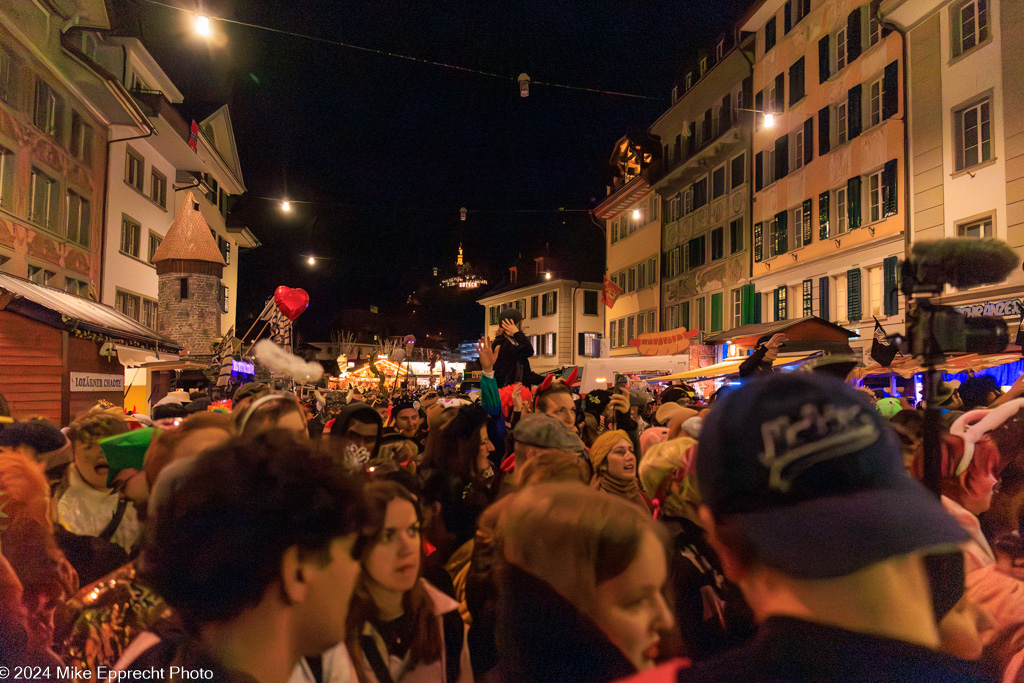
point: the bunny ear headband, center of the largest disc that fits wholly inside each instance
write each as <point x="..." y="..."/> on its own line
<point x="973" y="425"/>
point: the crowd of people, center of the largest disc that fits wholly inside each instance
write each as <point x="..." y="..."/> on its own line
<point x="777" y="530"/>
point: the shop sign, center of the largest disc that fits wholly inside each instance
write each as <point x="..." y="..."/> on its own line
<point x="88" y="381"/>
<point x="240" y="367"/>
<point x="998" y="309"/>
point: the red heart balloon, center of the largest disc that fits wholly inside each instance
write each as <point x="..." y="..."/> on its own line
<point x="291" y="302"/>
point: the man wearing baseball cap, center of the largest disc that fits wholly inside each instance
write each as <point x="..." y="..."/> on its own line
<point x="807" y="503"/>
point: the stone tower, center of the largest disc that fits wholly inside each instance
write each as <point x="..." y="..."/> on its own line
<point x="189" y="266"/>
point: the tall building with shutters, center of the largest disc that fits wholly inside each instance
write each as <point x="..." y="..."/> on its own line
<point x="829" y="216"/>
<point x="632" y="217"/>
<point x="702" y="179"/>
<point x="966" y="102"/>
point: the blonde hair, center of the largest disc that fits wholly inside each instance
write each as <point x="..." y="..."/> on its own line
<point x="672" y="460"/>
<point x="571" y="536"/>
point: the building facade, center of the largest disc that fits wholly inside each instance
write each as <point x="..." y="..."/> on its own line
<point x="703" y="183"/>
<point x="829" y="214"/>
<point x="631" y="214"/>
<point x="966" y="95"/>
<point x="54" y="119"/>
<point x="563" y="320"/>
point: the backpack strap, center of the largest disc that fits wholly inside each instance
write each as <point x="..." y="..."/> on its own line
<point x="115" y="521"/>
<point x="372" y="654"/>
<point x="454" y="632"/>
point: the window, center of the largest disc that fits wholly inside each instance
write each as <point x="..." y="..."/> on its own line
<point x="688" y="200"/>
<point x="44" y="201"/>
<point x="79" y="219"/>
<point x="630" y="329"/>
<point x="641" y="324"/>
<point x="550" y="303"/>
<point x="798" y="222"/>
<point x="700" y="192"/>
<point x="40" y="275"/>
<point x="76" y="287"/>
<point x="737" y="307"/>
<point x="492" y="315"/>
<point x="683" y="319"/>
<point x="641" y="276"/>
<point x="652" y="207"/>
<point x="719" y="50"/>
<point x="736" y="236"/>
<point x="697" y="248"/>
<point x="874" y="27"/>
<point x="158" y="188"/>
<point x="840" y="203"/>
<point x="703" y="65"/>
<point x="717" y="243"/>
<point x="222" y="299"/>
<point x="875" y="103"/>
<point x="841" y="123"/>
<point x="781" y="302"/>
<point x="621" y="337"/>
<point x="875" y="291"/>
<point x="129" y="304"/>
<point x="798" y="148"/>
<point x="131" y="233"/>
<point x="149" y="313"/>
<point x="81" y="138"/>
<point x="8" y="78"/>
<point x="769" y="34"/>
<point x="535" y="300"/>
<point x="587" y="343"/>
<point x="673" y="209"/>
<point x="970" y="25"/>
<point x="133" y="169"/>
<point x="183" y="288"/>
<point x="652" y="270"/>
<point x="840" y="49"/>
<point x="981" y="227"/>
<point x="807" y="298"/>
<point x="718" y="182"/>
<point x="796" y="82"/>
<point x="841" y="297"/>
<point x="49" y="110"/>
<point x="876" y="196"/>
<point x="739" y="170"/>
<point x="7" y="170"/>
<point x="589" y="302"/>
<point x="154" y="244"/>
<point x="973" y="135"/>
<point x="225" y="251"/>
<point x="701" y="313"/>
<point x="613" y="230"/>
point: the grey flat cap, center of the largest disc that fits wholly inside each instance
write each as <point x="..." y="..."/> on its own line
<point x="545" y="431"/>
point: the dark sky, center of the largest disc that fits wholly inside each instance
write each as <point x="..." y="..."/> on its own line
<point x="389" y="149"/>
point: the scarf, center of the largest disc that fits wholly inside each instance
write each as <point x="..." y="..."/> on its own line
<point x="626" y="488"/>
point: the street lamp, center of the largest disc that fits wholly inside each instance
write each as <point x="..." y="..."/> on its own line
<point x="203" y="25"/>
<point x="311" y="261"/>
<point x="547" y="276"/>
<point x="636" y="214"/>
<point x="286" y="205"/>
<point x="769" y="120"/>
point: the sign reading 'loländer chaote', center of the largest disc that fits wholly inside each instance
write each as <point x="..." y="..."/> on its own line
<point x="88" y="381"/>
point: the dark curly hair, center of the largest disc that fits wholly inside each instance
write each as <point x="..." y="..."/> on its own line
<point x="216" y="545"/>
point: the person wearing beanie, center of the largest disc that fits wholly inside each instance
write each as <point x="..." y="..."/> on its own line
<point x="513" y="351"/>
<point x="614" y="462"/>
<point x="759" y="362"/>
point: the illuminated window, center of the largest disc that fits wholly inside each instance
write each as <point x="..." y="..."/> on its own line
<point x="973" y="135"/>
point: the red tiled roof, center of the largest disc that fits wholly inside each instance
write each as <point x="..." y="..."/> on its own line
<point x="189" y="238"/>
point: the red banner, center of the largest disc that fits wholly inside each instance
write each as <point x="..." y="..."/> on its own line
<point x="611" y="293"/>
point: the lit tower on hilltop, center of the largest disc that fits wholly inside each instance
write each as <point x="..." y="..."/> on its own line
<point x="189" y="267"/>
<point x="465" y="278"/>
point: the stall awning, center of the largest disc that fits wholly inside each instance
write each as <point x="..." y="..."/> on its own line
<point x="909" y="366"/>
<point x="800" y="331"/>
<point x="66" y="311"/>
<point x="731" y="367"/>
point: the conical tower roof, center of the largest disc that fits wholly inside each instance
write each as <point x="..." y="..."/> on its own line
<point x="189" y="238"/>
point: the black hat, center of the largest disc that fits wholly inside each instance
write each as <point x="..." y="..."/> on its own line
<point x="510" y="314"/>
<point x="813" y="476"/>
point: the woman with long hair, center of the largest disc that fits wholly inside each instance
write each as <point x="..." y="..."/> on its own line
<point x="401" y="628"/>
<point x="588" y="567"/>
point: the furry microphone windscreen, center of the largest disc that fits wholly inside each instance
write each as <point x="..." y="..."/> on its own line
<point x="281" y="362"/>
<point x="963" y="262"/>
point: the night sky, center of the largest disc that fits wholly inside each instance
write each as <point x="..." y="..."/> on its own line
<point x="389" y="149"/>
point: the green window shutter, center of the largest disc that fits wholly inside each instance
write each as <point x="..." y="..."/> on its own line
<point x="823" y="209"/>
<point x="757" y="308"/>
<point x="781" y="232"/>
<point x="890" y="285"/>
<point x="823" y="285"/>
<point x="758" y="242"/>
<point x="853" y="202"/>
<point x="716" y="312"/>
<point x="748" y="302"/>
<point x="805" y="229"/>
<point x="853" y="293"/>
<point x="889" y="203"/>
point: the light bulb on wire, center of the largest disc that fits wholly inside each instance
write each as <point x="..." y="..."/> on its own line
<point x="203" y="25"/>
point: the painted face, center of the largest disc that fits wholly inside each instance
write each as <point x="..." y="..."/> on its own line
<point x="561" y="406"/>
<point x="330" y="593"/>
<point x="486" y="448"/>
<point x="407" y="421"/>
<point x="630" y="608"/>
<point x="91" y="463"/>
<point x="393" y="564"/>
<point x="962" y="630"/>
<point x="359" y="435"/>
<point x="622" y="461"/>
